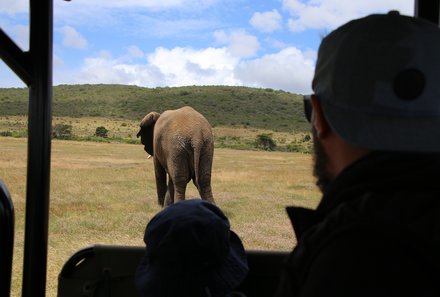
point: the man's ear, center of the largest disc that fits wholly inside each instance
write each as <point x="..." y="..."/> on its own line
<point x="318" y="119"/>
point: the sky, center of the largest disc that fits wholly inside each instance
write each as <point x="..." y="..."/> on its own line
<point x="168" y="43"/>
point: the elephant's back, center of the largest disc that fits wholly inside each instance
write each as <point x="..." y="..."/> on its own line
<point x="184" y="114"/>
<point x="185" y="119"/>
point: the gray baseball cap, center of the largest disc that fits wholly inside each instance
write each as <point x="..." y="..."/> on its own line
<point x="378" y="81"/>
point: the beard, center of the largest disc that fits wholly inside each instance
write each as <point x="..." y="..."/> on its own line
<point x="320" y="158"/>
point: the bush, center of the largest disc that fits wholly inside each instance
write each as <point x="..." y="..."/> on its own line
<point x="265" y="142"/>
<point x="62" y="131"/>
<point x="307" y="138"/>
<point x="101" y="131"/>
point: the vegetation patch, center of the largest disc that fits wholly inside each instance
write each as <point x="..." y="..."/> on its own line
<point x="221" y="105"/>
<point x="241" y="117"/>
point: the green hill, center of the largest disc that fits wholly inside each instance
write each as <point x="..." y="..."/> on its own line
<point x="221" y="105"/>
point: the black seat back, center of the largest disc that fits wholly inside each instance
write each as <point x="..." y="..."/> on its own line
<point x="6" y="240"/>
<point x="103" y="271"/>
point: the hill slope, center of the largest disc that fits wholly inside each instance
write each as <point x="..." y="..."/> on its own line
<point x="221" y="105"/>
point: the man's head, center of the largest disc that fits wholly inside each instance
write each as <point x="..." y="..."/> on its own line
<point x="191" y="251"/>
<point x="376" y="88"/>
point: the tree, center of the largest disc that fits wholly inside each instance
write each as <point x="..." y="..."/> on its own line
<point x="101" y="131"/>
<point x="265" y="142"/>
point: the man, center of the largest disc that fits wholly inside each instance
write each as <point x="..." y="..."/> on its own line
<point x="375" y="117"/>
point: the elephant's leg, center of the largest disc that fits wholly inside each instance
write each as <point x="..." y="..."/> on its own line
<point x="204" y="179"/>
<point x="181" y="176"/>
<point x="180" y="183"/>
<point x="169" y="197"/>
<point x="161" y="182"/>
<point x="204" y="187"/>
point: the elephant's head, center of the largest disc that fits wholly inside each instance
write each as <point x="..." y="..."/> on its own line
<point x="147" y="131"/>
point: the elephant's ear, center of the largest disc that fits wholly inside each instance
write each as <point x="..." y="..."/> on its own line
<point x="149" y="119"/>
<point x="146" y="131"/>
<point x="147" y="122"/>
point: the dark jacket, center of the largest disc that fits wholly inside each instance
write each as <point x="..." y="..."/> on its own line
<point x="376" y="232"/>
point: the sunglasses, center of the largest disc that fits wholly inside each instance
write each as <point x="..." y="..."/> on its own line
<point x="307" y="107"/>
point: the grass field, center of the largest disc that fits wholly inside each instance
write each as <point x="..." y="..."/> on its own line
<point x="104" y="193"/>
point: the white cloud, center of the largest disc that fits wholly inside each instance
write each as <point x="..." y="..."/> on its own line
<point x="243" y="44"/>
<point x="186" y="66"/>
<point x="72" y="38"/>
<point x="164" y="67"/>
<point x="329" y="14"/>
<point x="240" y="43"/>
<point x="268" y="21"/>
<point x="289" y="70"/>
<point x="98" y="70"/>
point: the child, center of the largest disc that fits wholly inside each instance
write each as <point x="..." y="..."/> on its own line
<point x="191" y="252"/>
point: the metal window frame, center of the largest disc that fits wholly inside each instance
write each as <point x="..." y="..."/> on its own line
<point x="34" y="67"/>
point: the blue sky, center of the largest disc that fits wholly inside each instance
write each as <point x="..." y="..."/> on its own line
<point x="158" y="43"/>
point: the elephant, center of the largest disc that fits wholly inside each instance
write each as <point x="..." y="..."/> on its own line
<point x="182" y="145"/>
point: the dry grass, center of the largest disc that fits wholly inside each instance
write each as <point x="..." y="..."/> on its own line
<point x="105" y="193"/>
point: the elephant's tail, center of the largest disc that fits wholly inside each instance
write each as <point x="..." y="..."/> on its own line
<point x="196" y="177"/>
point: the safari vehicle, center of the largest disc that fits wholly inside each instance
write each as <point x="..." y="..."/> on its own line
<point x="96" y="270"/>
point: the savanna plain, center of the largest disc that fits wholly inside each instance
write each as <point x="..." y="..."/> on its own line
<point x="104" y="193"/>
